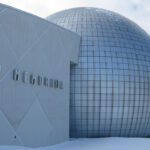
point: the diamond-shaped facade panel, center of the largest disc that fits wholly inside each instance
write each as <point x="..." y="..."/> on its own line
<point x="15" y="108"/>
<point x="35" y="127"/>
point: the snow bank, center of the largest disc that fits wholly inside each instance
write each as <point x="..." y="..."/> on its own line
<point x="94" y="144"/>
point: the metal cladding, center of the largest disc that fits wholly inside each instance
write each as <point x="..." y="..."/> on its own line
<point x="35" y="57"/>
<point x="110" y="86"/>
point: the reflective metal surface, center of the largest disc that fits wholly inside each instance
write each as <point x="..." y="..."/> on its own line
<point x="110" y="86"/>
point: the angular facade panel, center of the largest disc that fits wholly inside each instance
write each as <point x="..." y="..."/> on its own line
<point x="111" y="83"/>
<point x="35" y="58"/>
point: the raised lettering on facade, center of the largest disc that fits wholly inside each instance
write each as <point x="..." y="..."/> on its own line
<point x="36" y="80"/>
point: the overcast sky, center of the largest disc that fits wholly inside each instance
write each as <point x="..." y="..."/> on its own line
<point x="136" y="10"/>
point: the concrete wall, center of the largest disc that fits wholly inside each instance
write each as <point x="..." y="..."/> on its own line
<point x="31" y="114"/>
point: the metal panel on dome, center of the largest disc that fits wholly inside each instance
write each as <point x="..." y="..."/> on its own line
<point x="110" y="85"/>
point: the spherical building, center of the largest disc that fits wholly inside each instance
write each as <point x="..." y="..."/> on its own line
<point x="110" y="86"/>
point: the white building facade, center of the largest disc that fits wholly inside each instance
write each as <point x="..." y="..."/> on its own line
<point x="35" y="58"/>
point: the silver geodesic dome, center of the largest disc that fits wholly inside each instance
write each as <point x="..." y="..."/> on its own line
<point x="110" y="86"/>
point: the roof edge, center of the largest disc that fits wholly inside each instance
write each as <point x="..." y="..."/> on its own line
<point x="28" y="13"/>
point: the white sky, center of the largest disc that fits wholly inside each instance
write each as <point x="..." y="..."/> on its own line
<point x="136" y="10"/>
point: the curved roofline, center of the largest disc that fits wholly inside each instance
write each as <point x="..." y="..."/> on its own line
<point x="87" y="8"/>
<point x="113" y="12"/>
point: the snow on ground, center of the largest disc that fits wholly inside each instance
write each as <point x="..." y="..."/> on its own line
<point x="94" y="144"/>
